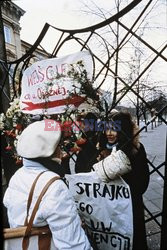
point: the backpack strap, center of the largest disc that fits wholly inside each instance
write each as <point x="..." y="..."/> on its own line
<point x="25" y="242"/>
<point x="31" y="195"/>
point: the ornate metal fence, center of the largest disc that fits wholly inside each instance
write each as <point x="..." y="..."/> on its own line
<point x="108" y="72"/>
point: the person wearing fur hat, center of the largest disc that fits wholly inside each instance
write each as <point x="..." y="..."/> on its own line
<point x="122" y="137"/>
<point x="41" y="152"/>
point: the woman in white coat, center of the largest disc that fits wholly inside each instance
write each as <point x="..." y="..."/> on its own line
<point x="40" y="151"/>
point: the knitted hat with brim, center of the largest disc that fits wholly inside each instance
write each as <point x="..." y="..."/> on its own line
<point x="39" y="139"/>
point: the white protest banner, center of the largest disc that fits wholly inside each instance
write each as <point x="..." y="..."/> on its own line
<point x="106" y="209"/>
<point x="46" y="85"/>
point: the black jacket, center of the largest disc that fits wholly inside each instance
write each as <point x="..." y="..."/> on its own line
<point x="138" y="180"/>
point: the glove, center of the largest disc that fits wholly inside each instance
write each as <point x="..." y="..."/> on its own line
<point x="116" y="164"/>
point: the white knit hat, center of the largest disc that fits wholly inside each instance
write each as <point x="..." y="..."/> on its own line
<point x="37" y="141"/>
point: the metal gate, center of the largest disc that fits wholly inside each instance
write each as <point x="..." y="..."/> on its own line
<point x="108" y="72"/>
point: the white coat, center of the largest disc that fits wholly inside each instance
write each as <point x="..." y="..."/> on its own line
<point x="57" y="208"/>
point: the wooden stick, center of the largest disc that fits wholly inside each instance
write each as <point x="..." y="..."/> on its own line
<point x="10" y="233"/>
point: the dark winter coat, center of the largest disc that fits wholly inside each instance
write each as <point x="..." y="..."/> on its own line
<point x="138" y="180"/>
<point x="138" y="177"/>
<point x="87" y="156"/>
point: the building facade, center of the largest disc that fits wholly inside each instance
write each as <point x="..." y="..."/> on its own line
<point x="15" y="47"/>
<point x="11" y="14"/>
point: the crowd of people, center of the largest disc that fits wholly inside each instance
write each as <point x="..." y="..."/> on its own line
<point x="111" y="152"/>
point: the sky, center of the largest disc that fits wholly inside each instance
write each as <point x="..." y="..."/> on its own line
<point x="68" y="14"/>
<point x="59" y="13"/>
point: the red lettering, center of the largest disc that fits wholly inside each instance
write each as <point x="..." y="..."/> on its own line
<point x="41" y="78"/>
<point x="64" y="91"/>
<point x="61" y="91"/>
<point x="49" y="73"/>
<point x="64" y="68"/>
<point x="30" y="81"/>
<point x="51" y="92"/>
<point x="57" y="70"/>
<point x="39" y="93"/>
<point x="35" y="77"/>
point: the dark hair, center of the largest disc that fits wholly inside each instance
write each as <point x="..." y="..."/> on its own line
<point x="127" y="141"/>
<point x="91" y="131"/>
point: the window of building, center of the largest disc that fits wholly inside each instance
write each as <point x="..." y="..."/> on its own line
<point x="7" y="32"/>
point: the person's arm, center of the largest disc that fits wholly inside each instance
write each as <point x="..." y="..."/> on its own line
<point x="113" y="166"/>
<point x="59" y="210"/>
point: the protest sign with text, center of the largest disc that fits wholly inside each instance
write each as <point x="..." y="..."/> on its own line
<point x="105" y="208"/>
<point x="47" y="87"/>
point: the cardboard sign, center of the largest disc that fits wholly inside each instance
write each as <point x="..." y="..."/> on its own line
<point x="106" y="209"/>
<point x="44" y="90"/>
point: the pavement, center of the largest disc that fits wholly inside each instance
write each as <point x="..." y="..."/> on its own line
<point x="154" y="142"/>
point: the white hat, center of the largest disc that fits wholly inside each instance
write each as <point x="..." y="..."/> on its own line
<point x="37" y="141"/>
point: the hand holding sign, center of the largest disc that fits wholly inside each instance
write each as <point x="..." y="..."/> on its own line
<point x="116" y="164"/>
